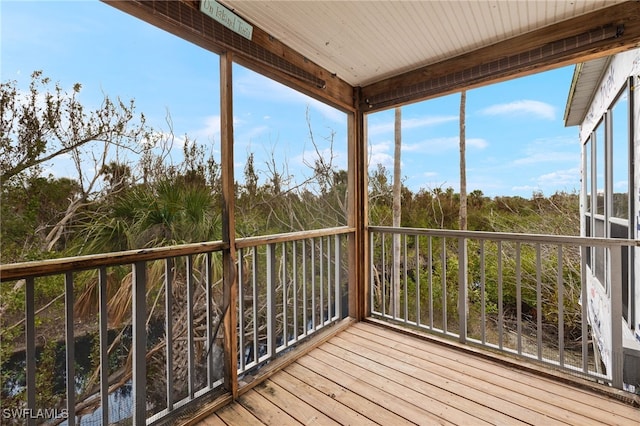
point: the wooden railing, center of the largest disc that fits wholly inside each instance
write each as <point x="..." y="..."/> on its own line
<point x="521" y="294"/>
<point x="157" y="317"/>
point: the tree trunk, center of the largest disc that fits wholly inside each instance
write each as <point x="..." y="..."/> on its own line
<point x="463" y="285"/>
<point x="397" y="186"/>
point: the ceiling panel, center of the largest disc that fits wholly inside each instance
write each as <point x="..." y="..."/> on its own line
<point x="366" y="41"/>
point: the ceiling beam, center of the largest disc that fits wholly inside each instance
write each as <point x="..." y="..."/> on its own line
<point x="604" y="32"/>
<point x="263" y="53"/>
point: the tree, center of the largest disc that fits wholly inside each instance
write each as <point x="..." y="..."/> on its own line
<point x="45" y="123"/>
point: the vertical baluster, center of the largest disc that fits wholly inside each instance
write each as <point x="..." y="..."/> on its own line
<point x="104" y="344"/>
<point x="560" y="307"/>
<point x="617" y="361"/>
<point x="321" y="264"/>
<point x="329" y="278"/>
<point x="337" y="269"/>
<point x="405" y="278"/>
<point x="169" y="266"/>
<point x="483" y="302"/>
<point x="283" y="277"/>
<point x="254" y="314"/>
<point x="583" y="308"/>
<point x="372" y="280"/>
<point x="241" y="325"/>
<point x="314" y="318"/>
<point x="443" y="259"/>
<point x="462" y="289"/>
<point x="210" y="338"/>
<point x="383" y="278"/>
<point x="417" y="278"/>
<point x="139" y="346"/>
<point x="430" y="266"/>
<point x="519" y="297"/>
<point x="30" y="336"/>
<point x="190" y="341"/>
<point x="70" y="348"/>
<point x="271" y="299"/>
<point x="294" y="254"/>
<point x="539" y="300"/>
<point x="500" y="308"/>
<point x="305" y="317"/>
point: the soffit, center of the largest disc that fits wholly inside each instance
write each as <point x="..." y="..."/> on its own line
<point x="367" y="41"/>
<point x="586" y="78"/>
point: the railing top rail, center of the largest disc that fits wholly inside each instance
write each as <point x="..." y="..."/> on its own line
<point x="292" y="236"/>
<point x="508" y="236"/>
<point x="57" y="266"/>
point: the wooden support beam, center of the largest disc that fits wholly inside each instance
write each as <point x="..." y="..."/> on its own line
<point x="357" y="213"/>
<point x="263" y="54"/>
<point x="230" y="292"/>
<point x="560" y="44"/>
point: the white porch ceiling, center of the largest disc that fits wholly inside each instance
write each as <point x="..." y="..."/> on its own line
<point x="366" y="41"/>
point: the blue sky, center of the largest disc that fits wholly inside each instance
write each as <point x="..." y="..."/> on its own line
<point x="516" y="140"/>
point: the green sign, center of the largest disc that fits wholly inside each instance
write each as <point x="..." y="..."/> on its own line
<point x="226" y="17"/>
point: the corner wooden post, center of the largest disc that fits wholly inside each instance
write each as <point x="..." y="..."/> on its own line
<point x="230" y="296"/>
<point x="358" y="212"/>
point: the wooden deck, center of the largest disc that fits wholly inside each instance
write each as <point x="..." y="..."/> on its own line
<point x="371" y="375"/>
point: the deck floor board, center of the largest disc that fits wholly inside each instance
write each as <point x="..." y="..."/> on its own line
<point x="369" y="375"/>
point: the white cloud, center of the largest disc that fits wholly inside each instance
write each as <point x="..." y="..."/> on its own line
<point x="410" y="123"/>
<point x="438" y="145"/>
<point x="536" y="108"/>
<point x="561" y="178"/>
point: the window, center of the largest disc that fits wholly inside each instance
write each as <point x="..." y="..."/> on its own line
<point x="608" y="171"/>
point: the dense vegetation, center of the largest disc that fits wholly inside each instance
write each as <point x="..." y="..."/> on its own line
<point x="138" y="198"/>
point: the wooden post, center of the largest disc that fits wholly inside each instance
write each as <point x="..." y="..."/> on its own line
<point x="230" y="297"/>
<point x="358" y="213"/>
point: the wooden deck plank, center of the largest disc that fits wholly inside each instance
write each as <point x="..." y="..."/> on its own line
<point x="512" y="401"/>
<point x="347" y="397"/>
<point x="267" y="412"/>
<point x="302" y="412"/>
<point x="321" y="401"/>
<point x="213" y="420"/>
<point x="237" y="415"/>
<point x="392" y="402"/>
<point x="462" y="395"/>
<point x="592" y="407"/>
<point x="367" y="372"/>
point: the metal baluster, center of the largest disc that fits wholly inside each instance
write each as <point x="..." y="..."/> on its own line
<point x="305" y="280"/>
<point x="190" y="341"/>
<point x="406" y="298"/>
<point x="337" y="269"/>
<point x="560" y="307"/>
<point x="443" y="259"/>
<point x="104" y="344"/>
<point x="462" y="289"/>
<point x="254" y="285"/>
<point x="271" y="299"/>
<point x="70" y="349"/>
<point x="313" y="284"/>
<point x="519" y="297"/>
<point x="584" y="306"/>
<point x="500" y="308"/>
<point x="210" y="340"/>
<point x="483" y="302"/>
<point x="294" y="254"/>
<point x="169" y="265"/>
<point x="430" y="266"/>
<point x="30" y="336"/>
<point x="283" y="277"/>
<point x="417" y="274"/>
<point x="539" y="300"/>
<point x="139" y="346"/>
